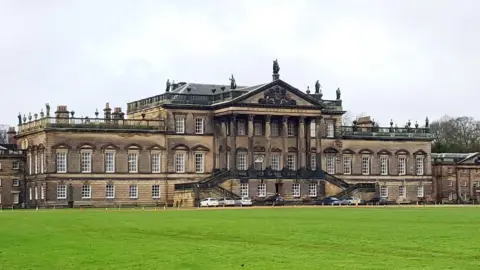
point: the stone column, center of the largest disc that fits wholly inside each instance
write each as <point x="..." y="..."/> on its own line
<point x="268" y="145"/>
<point x="285" y="140"/>
<point x="250" y="140"/>
<point x="318" y="142"/>
<point x="308" y="143"/>
<point x="301" y="143"/>
<point x="223" y="143"/>
<point x="233" y="142"/>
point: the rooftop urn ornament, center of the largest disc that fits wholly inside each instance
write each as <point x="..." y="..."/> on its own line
<point x="391" y="122"/>
<point x="96" y="113"/>
<point x="339" y="93"/>
<point x="426" y="122"/>
<point x="214" y="90"/>
<point x="47" y="107"/>
<point x="35" y="116"/>
<point x="72" y="113"/>
<point x="373" y="122"/>
<point x="409" y="123"/>
<point x="19" y="118"/>
<point x="189" y="89"/>
<point x="222" y="88"/>
<point x="24" y="118"/>
<point x="416" y="124"/>
<point x="168" y="86"/>
<point x="29" y="116"/>
<point x="318" y="87"/>
<point x="143" y="115"/>
<point x="42" y="114"/>
<point x="233" y="83"/>
<point x="308" y="89"/>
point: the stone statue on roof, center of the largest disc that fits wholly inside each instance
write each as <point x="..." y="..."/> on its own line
<point x="168" y="86"/>
<point x="233" y="83"/>
<point x="338" y="93"/>
<point x="276" y="67"/>
<point x="317" y="87"/>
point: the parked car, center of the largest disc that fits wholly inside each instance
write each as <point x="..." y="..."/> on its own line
<point x="209" y="202"/>
<point x="226" y="202"/>
<point x="329" y="201"/>
<point x="377" y="200"/>
<point x="244" y="201"/>
<point x="351" y="201"/>
<point x="274" y="200"/>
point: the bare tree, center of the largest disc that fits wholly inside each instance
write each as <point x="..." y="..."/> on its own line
<point x="347" y="119"/>
<point x="3" y="134"/>
<point x="456" y="134"/>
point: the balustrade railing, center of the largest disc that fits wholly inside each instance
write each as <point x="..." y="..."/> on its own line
<point x="394" y="132"/>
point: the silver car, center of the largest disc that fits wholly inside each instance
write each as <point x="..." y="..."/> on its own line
<point x="244" y="201"/>
<point x="226" y="202"/>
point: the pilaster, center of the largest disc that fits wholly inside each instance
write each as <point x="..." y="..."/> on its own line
<point x="285" y="140"/>
<point x="268" y="145"/>
<point x="233" y="142"/>
<point x="301" y="142"/>
<point x="318" y="142"/>
<point x="250" y="139"/>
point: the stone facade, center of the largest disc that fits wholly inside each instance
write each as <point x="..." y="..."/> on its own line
<point x="292" y="140"/>
<point x="12" y="181"/>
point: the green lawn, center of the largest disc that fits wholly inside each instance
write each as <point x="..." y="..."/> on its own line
<point x="301" y="238"/>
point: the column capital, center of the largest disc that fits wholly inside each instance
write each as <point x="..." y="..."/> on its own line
<point x="301" y="119"/>
<point x="250" y="117"/>
<point x="318" y="118"/>
<point x="268" y="117"/>
<point x="284" y="118"/>
<point x="234" y="116"/>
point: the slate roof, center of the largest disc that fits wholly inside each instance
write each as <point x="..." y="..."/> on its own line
<point x="206" y="89"/>
<point x="8" y="146"/>
<point x="453" y="157"/>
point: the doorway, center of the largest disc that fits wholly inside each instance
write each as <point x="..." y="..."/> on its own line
<point x="279" y="188"/>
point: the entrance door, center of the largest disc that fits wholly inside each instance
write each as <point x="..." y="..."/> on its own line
<point x="279" y="188"/>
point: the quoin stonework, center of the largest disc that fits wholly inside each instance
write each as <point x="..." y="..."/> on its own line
<point x="213" y="140"/>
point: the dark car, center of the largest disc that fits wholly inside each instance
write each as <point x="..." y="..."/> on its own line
<point x="274" y="200"/>
<point x="377" y="200"/>
<point x="329" y="201"/>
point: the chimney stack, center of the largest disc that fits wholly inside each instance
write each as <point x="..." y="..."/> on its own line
<point x="11" y="133"/>
<point x="107" y="111"/>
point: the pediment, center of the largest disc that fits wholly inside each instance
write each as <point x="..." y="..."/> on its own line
<point x="473" y="159"/>
<point x="278" y="93"/>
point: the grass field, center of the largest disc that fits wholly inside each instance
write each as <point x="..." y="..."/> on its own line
<point x="280" y="238"/>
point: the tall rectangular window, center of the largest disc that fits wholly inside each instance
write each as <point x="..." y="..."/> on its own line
<point x="199" y="126"/>
<point x="275" y="162"/>
<point x="43" y="192"/>
<point x="292" y="162"/>
<point x="347" y="164"/>
<point x="312" y="190"/>
<point x="244" y="190"/>
<point x="35" y="166"/>
<point x="274" y="128"/>
<point x="109" y="191"/>
<point x="241" y="131"/>
<point x="384" y="191"/>
<point x="313" y="161"/>
<point x="15" y="166"/>
<point x="402" y="191"/>
<point x="30" y="164"/>
<point x="15" y="182"/>
<point x="110" y="162"/>
<point x="296" y="190"/>
<point x="291" y="130"/>
<point x="61" y="192"/>
<point x="133" y="191"/>
<point x="155" y="157"/>
<point x="15" y="198"/>
<point x="179" y="162"/>
<point x="36" y="193"/>
<point x="331" y="164"/>
<point x="228" y="160"/>
<point x="61" y="162"/>
<point x="402" y="166"/>
<point x="180" y="125"/>
<point x="155" y="191"/>
<point x="242" y="161"/>
<point x="420" y="191"/>
<point x="42" y="162"/>
<point x="262" y="190"/>
<point x="365" y="165"/>
<point x="383" y="165"/>
<point x="419" y="165"/>
<point x="258" y="129"/>
<point x="86" y="192"/>
<point x="313" y="130"/>
<point x="330" y="130"/>
<point x="199" y="162"/>
<point x="86" y="161"/>
<point x="132" y="162"/>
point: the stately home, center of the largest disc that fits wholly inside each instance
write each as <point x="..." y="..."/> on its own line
<point x="12" y="172"/>
<point x="201" y="140"/>
<point x="456" y="177"/>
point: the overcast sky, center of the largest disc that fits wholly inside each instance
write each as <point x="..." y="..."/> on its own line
<point x="402" y="59"/>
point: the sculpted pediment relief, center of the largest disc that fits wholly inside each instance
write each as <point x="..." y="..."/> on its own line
<point x="278" y="96"/>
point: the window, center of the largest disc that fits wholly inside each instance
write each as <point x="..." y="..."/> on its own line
<point x="296" y="190"/>
<point x="0" y="182"/>
<point x="155" y="162"/>
<point x="274" y="128"/>
<point x="0" y="162"/>
<point x="257" y="129"/>
<point x="86" y="192"/>
<point x="36" y="193"/>
<point x="15" y="165"/>
<point x="275" y="162"/>
<point x="132" y="162"/>
<point x="30" y="164"/>
<point x="42" y="192"/>
<point x="330" y="164"/>
<point x="155" y="191"/>
<point x="420" y="191"/>
<point x="262" y="190"/>
<point x="291" y="131"/>
<point x="402" y="191"/>
<point x="199" y="162"/>
<point x="365" y="165"/>
<point x="42" y="162"/>
<point x="384" y="191"/>
<point x="312" y="190"/>
<point x="61" y="192"/>
<point x="180" y="125"/>
<point x="110" y="162"/>
<point x="450" y="196"/>
<point x="450" y="183"/>
<point x="16" y="198"/>
<point x="198" y="125"/>
<point x="228" y="160"/>
<point x="312" y="129"/>
<point x="313" y="161"/>
<point x="330" y="130"/>
<point x="449" y="170"/>
<point x="86" y="161"/>
<point x="30" y="195"/>
<point x="419" y="165"/>
<point x="383" y="165"/>
<point x="242" y="162"/>
<point x="133" y="191"/>
<point x="61" y="162"/>
<point x="476" y="184"/>
<point x="110" y="191"/>
<point x="35" y="165"/>
<point x="241" y="128"/>
<point x="16" y="182"/>
<point x="402" y="166"/>
<point x="180" y="163"/>
<point x="347" y="164"/>
<point x="292" y="162"/>
<point x="244" y="190"/>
